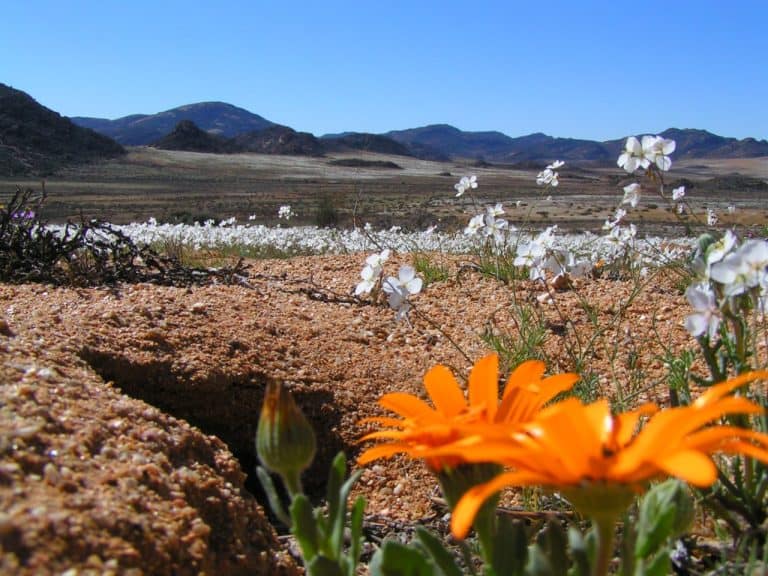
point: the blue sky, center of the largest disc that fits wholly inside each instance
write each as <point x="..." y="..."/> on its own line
<point x="596" y="70"/>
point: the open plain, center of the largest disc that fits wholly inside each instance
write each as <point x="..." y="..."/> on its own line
<point x="185" y="186"/>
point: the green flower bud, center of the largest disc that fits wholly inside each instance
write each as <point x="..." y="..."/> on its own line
<point x="285" y="440"/>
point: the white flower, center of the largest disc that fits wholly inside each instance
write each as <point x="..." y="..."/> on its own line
<point x="717" y="251"/>
<point x="377" y="260"/>
<point x="633" y="156"/>
<point x="711" y="217"/>
<point x="371" y="272"/>
<point x="617" y="218"/>
<point x="370" y="276"/>
<point x="252" y="217"/>
<point x="529" y="253"/>
<point x="475" y="224"/>
<point x="681" y="208"/>
<point x="631" y="194"/>
<point x="556" y="164"/>
<point x="706" y="319"/>
<point x="400" y="288"/>
<point x="285" y="212"/>
<point x="743" y="269"/>
<point x="496" y="210"/>
<point x="466" y="183"/>
<point x="731" y="208"/>
<point x="495" y="227"/>
<point x="547" y="177"/>
<point x="657" y="149"/>
<point x="678" y="193"/>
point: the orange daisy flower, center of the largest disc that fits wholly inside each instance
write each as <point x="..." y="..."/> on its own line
<point x="454" y="416"/>
<point x="601" y="461"/>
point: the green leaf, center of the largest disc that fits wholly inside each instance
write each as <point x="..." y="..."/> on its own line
<point x="553" y="542"/>
<point x="339" y="519"/>
<point x="511" y="554"/>
<point x="437" y="552"/>
<point x="538" y="563"/>
<point x="580" y="553"/>
<point x="274" y="500"/>
<point x="356" y="530"/>
<point x="323" y="566"/>
<point x="304" y="527"/>
<point x="395" y="559"/>
<point x="665" y="512"/>
<point x="335" y="479"/>
<point x="660" y="565"/>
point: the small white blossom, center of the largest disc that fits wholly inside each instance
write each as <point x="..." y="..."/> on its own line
<point x="743" y="269"/>
<point x="617" y="218"/>
<point x="633" y="156"/>
<point x="400" y="288"/>
<point x="466" y="183"/>
<point x="631" y="194"/>
<point x="496" y="210"/>
<point x="285" y="212"/>
<point x="706" y="318"/>
<point x="371" y="272"/>
<point x="547" y="177"/>
<point x="475" y="224"/>
<point x="731" y="208"/>
<point x="657" y="149"/>
<point x="711" y="217"/>
<point x="678" y="193"/>
<point x="252" y="217"/>
<point x="495" y="227"/>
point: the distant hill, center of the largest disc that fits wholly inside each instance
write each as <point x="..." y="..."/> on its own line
<point x="363" y="141"/>
<point x="36" y="140"/>
<point x="452" y="142"/>
<point x="217" y="118"/>
<point x="189" y="137"/>
<point x="498" y="147"/>
<point x="277" y="139"/>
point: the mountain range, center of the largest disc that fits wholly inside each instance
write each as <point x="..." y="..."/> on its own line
<point x="36" y="139"/>
<point x="434" y="142"/>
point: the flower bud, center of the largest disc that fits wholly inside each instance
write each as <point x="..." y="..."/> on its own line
<point x="285" y="441"/>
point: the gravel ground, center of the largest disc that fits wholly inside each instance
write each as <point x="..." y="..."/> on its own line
<point x="126" y="411"/>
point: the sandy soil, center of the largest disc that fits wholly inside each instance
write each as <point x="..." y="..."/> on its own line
<point x="197" y="360"/>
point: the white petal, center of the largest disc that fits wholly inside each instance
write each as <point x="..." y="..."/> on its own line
<point x="696" y="324"/>
<point x="406" y="274"/>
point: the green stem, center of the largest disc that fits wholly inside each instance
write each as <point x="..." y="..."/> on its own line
<point x="604" y="528"/>
<point x="485" y="526"/>
<point x="292" y="480"/>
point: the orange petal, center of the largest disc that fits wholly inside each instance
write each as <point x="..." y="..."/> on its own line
<point x="717" y="391"/>
<point x="627" y="423"/>
<point x="527" y="372"/>
<point x="484" y="385"/>
<point x="738" y="447"/>
<point x="554" y="385"/>
<point x="381" y="451"/>
<point x="465" y="511"/>
<point x="691" y="466"/>
<point x="444" y="391"/>
<point x="406" y="405"/>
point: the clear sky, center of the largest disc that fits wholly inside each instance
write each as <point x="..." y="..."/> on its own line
<point x="582" y="69"/>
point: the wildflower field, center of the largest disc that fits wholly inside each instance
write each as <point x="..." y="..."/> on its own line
<point x="546" y="402"/>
